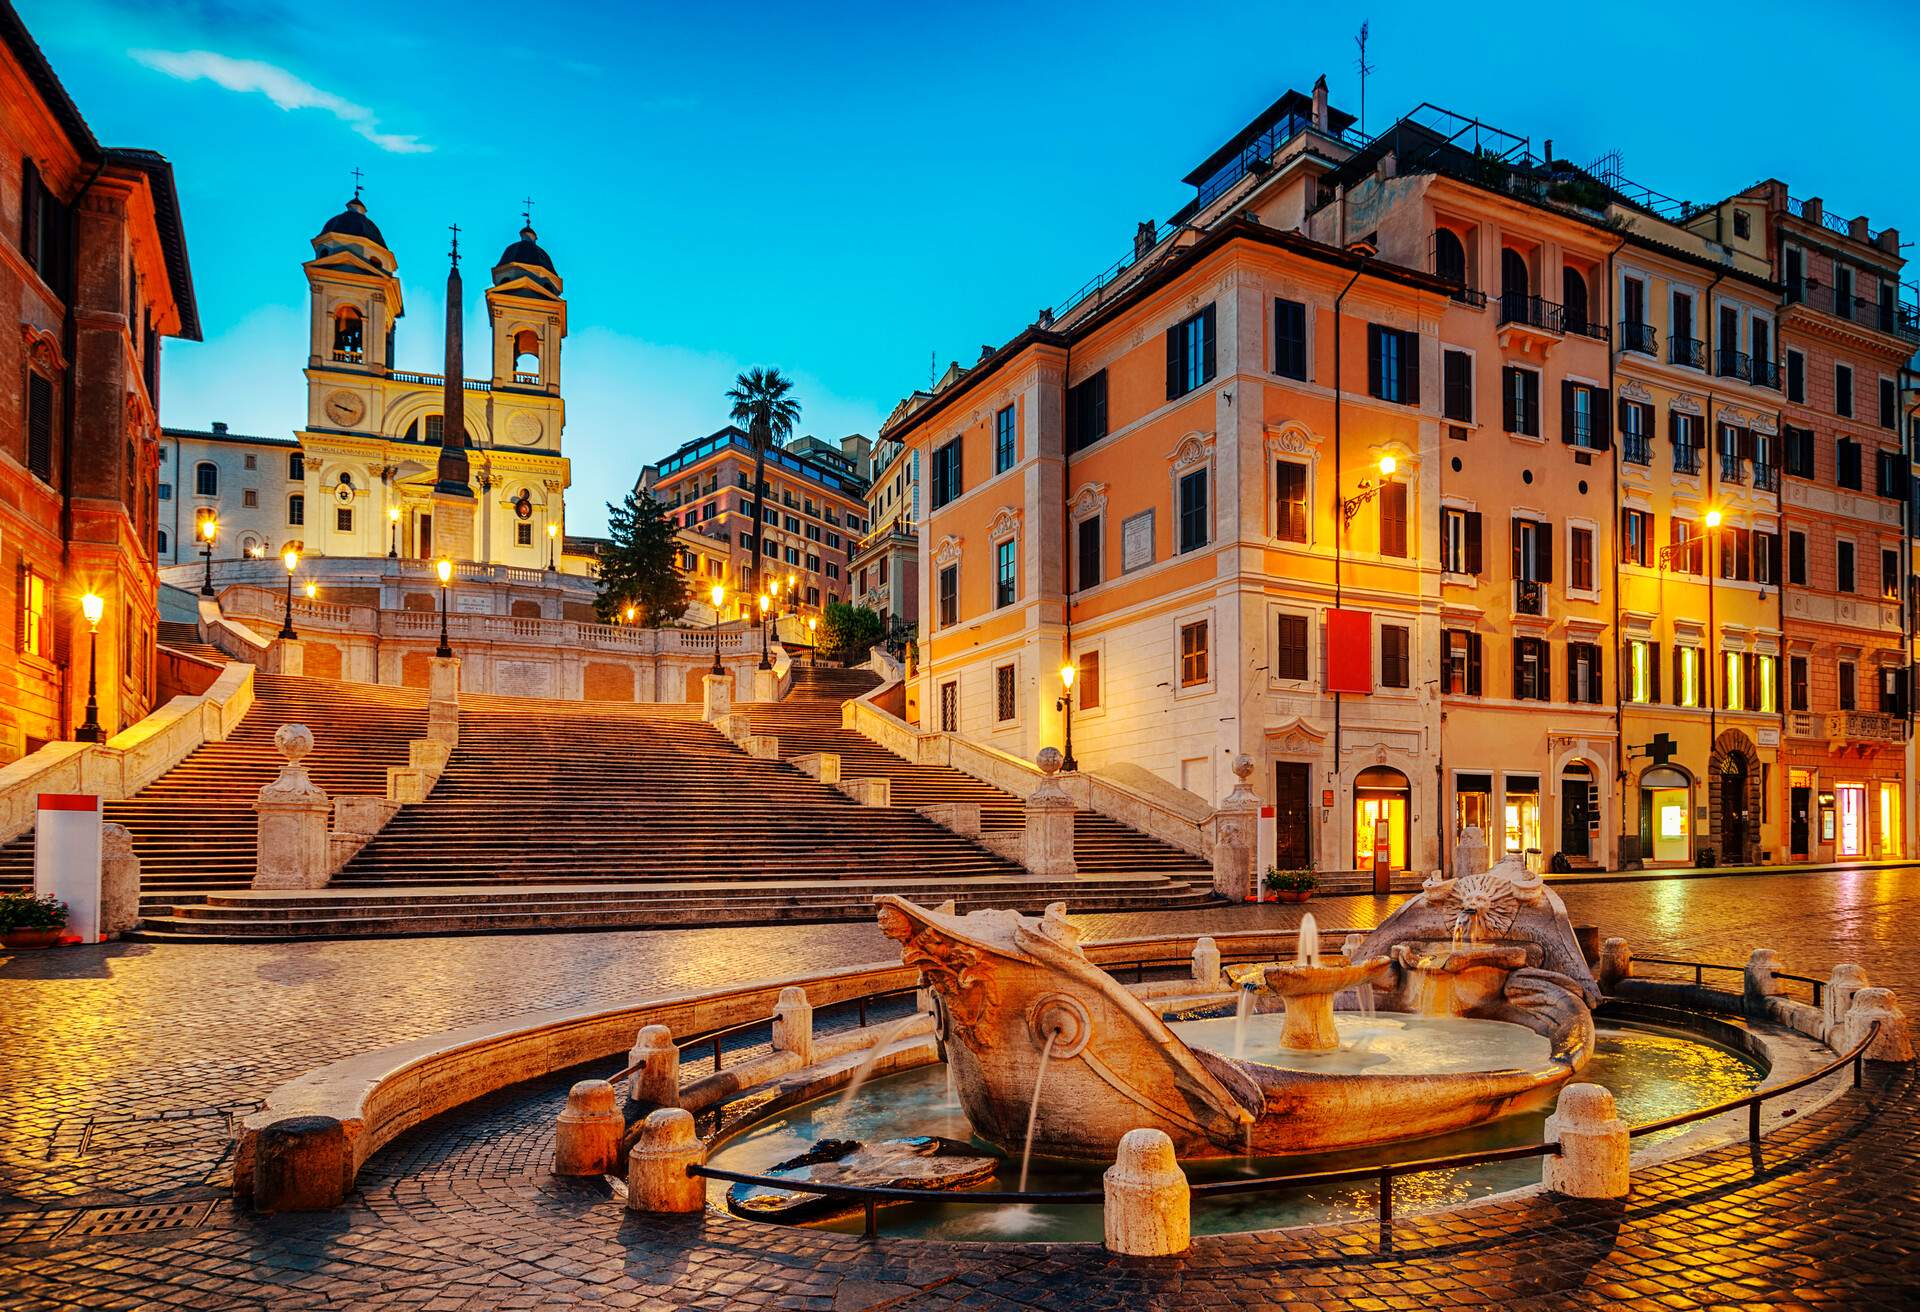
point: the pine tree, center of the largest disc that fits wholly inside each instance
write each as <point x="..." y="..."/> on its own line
<point x="639" y="569"/>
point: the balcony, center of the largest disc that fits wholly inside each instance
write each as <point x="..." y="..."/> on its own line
<point x="1764" y="373"/>
<point x="1686" y="460"/>
<point x="1586" y="327"/>
<point x="1529" y="597"/>
<point x="1532" y="312"/>
<point x="1688" y="351"/>
<point x="1732" y="364"/>
<point x="1766" y="478"/>
<point x="1732" y="468"/>
<point x="1865" y="726"/>
<point x="1639" y="337"/>
<point x="1636" y="448"/>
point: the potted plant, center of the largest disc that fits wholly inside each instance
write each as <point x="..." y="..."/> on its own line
<point x="27" y="921"/>
<point x="1291" y="885"/>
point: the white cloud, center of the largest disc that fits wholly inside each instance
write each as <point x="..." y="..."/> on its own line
<point x="283" y="88"/>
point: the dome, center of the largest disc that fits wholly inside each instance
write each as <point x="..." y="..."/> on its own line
<point x="527" y="251"/>
<point x="353" y="222"/>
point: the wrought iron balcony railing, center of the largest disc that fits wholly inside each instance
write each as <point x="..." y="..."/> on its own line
<point x="1639" y="337"/>
<point x="1686" y="460"/>
<point x="1731" y="364"/>
<point x="1689" y="351"/>
<point x="1533" y="311"/>
<point x="1636" y="448"/>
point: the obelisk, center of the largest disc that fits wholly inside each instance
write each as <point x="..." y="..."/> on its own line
<point x="453" y="500"/>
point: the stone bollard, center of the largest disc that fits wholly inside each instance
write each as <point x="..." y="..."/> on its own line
<point x="1845" y="980"/>
<point x="119" y="882"/>
<point x="291" y="843"/>
<point x="717" y="696"/>
<point x="1149" y="1209"/>
<point x="657" y="1081"/>
<point x="1049" y="823"/>
<point x="1206" y="963"/>
<point x="587" y="1139"/>
<point x="793" y="1024"/>
<point x="1235" y="826"/>
<point x="1593" y="1161"/>
<point x="1616" y="964"/>
<point x="443" y="700"/>
<point x="1763" y="968"/>
<point x="1895" y="1040"/>
<point x="657" y="1179"/>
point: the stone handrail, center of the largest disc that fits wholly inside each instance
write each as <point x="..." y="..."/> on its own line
<point x="132" y="758"/>
<point x="1089" y="791"/>
<point x="882" y="662"/>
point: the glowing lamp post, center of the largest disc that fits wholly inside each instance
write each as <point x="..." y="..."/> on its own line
<point x="445" y="570"/>
<point x="553" y="534"/>
<point x="1065" y="704"/>
<point x="93" y="608"/>
<point x="393" y="519"/>
<point x="813" y="640"/>
<point x="1368" y="490"/>
<point x="291" y="559"/>
<point x="209" y="530"/>
<point x="719" y="596"/>
<point x="766" y="603"/>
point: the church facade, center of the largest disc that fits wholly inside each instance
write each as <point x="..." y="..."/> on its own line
<point x="371" y="472"/>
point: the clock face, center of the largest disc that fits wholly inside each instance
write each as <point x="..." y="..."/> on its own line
<point x="345" y="408"/>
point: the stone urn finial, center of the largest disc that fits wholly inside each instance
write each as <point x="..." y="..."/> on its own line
<point x="1049" y="760"/>
<point x="293" y="783"/>
<point x="294" y="742"/>
<point x="1242" y="768"/>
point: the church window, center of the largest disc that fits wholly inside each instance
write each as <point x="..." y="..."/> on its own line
<point x="348" y="335"/>
<point x="433" y="428"/>
<point x="343" y="519"/>
<point x="296" y="509"/>
<point x="206" y="479"/>
<point x="526" y="356"/>
<point x="523" y="534"/>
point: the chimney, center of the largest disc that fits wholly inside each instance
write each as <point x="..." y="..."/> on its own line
<point x="1812" y="210"/>
<point x="219" y="426"/>
<point x="1144" y="237"/>
<point x="1890" y="241"/>
<point x="1320" y="103"/>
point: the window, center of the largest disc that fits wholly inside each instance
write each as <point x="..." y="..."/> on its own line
<point x="1847" y="686"/>
<point x="946" y="473"/>
<point x="1088" y="684"/>
<point x="206" y="479"/>
<point x="1005" y="585"/>
<point x="950" y="707"/>
<point x="348" y="335"/>
<point x="1003" y="700"/>
<point x="1193" y="654"/>
<point x="1290" y="648"/>
<point x="1532" y="551"/>
<point x="1893" y="699"/>
<point x="1460" y="551"/>
<point x="950" y="595"/>
<point x="249" y="497"/>
<point x="1687" y="548"/>
<point x="161" y="543"/>
<point x="523" y="535"/>
<point x="1583" y="673"/>
<point x="33" y="635"/>
<point x="1736" y="556"/>
<point x="791" y="524"/>
<point x="296" y="466"/>
<point x="1393" y="520"/>
<point x="1889" y="404"/>
<point x="1636" y="431"/>
<point x="343" y="519"/>
<point x="1290" y="518"/>
<point x="1686" y="675"/>
<point x="1193" y="510"/>
<point x="1842" y="290"/>
<point x="1393" y="364"/>
<point x="1520" y="400"/>
<point x="1087" y="412"/>
<point x="1889" y="574"/>
<point x="1003" y="443"/>
<point x="1190" y="354"/>
<point x="165" y="491"/>
<point x="1583" y="416"/>
<point x="1843" y="566"/>
<point x="1796" y="683"/>
<point x="1798" y="443"/>
<point x="296" y="509"/>
<point x="1531" y="670"/>
<point x="1796" y="557"/>
<point x="1733" y="687"/>
<point x="1843" y="391"/>
<point x="1087" y="540"/>
<point x="1460" y="666"/>
<point x="1580" y="560"/>
<point x="1449" y="256"/>
<point x="1766" y="681"/>
<point x="1394" y="651"/>
<point x="1796" y="375"/>
<point x="1766" y="557"/>
<point x="1643" y="671"/>
<point x="1456" y="386"/>
<point x="1687" y="434"/>
<point x="250" y="461"/>
<point x="1289" y="339"/>
<point x="1742" y="224"/>
<point x="1636" y="537"/>
<point x="1847" y="463"/>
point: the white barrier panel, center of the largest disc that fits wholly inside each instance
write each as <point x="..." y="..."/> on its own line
<point x="1266" y="847"/>
<point x="66" y="859"/>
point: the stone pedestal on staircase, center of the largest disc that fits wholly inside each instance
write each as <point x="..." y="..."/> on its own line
<point x="716" y="696"/>
<point x="1235" y="835"/>
<point x="443" y="701"/>
<point x="119" y="881"/>
<point x="1049" y="836"/>
<point x="292" y="848"/>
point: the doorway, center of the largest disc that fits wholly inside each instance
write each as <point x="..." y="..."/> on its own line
<point x="1666" y="815"/>
<point x="1799" y="819"/>
<point x="1892" y="834"/>
<point x="1733" y="810"/>
<point x="1578" y="814"/>
<point x="1293" y="843"/>
<point x="1380" y="797"/>
<point x="1852" y="800"/>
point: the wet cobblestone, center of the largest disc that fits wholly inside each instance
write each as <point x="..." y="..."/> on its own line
<point x="119" y="1063"/>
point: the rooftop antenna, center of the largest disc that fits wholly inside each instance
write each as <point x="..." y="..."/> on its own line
<point x="1365" y="68"/>
<point x="933" y="358"/>
<point x="357" y="175"/>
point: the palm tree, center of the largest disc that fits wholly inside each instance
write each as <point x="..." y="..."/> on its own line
<point x="763" y="402"/>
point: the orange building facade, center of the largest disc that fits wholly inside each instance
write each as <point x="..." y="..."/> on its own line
<point x="94" y="275"/>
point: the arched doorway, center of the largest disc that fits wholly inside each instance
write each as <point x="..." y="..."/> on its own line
<point x="1573" y="294"/>
<point x="1449" y="256"/>
<point x="1666" y="815"/>
<point x="1733" y="785"/>
<point x="1579" y="810"/>
<point x="1733" y="807"/>
<point x="1381" y="797"/>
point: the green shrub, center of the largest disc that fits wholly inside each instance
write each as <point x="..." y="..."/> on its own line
<point x="25" y="911"/>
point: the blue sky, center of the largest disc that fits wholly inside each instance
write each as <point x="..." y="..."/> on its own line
<point x="848" y="190"/>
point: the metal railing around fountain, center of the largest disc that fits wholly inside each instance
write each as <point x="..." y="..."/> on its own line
<point x="1699" y="967"/>
<point x="1382" y="1175"/>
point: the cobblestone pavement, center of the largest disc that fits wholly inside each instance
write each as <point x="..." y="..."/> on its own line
<point x="121" y="1066"/>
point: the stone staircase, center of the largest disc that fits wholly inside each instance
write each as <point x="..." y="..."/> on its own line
<point x="180" y="637"/>
<point x="193" y="828"/>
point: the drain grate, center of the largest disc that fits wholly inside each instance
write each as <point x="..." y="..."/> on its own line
<point x="140" y="1220"/>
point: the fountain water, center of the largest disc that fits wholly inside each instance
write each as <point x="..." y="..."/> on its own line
<point x="880" y="1046"/>
<point x="1241" y="1011"/>
<point x="1306" y="951"/>
<point x="1033" y="1108"/>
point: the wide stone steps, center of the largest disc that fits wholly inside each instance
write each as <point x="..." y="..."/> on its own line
<point x="181" y="637"/>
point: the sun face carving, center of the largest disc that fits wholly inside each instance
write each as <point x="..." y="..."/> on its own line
<point x="1483" y="906"/>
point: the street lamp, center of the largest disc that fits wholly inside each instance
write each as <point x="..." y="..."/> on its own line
<point x="1368" y="490"/>
<point x="292" y="561"/>
<point x="445" y="570"/>
<point x="553" y="533"/>
<point x="313" y="590"/>
<point x="393" y="519"/>
<point x="630" y="612"/>
<point x="93" y="608"/>
<point x="813" y="640"/>
<point x="719" y="596"/>
<point x="209" y="530"/>
<point x="766" y="603"/>
<point x="1066" y="704"/>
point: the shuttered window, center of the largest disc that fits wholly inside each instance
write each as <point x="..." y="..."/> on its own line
<point x="1087" y="685"/>
<point x="1520" y="400"/>
<point x="1456" y="384"/>
<point x="1290" y="514"/>
<point x="1290" y="648"/>
<point x="1395" y="671"/>
<point x="1289" y="339"/>
<point x="40" y="426"/>
<point x="1193" y="510"/>
<point x="1190" y="354"/>
<point x="1087" y="537"/>
<point x="1393" y="520"/>
<point x="1193" y="654"/>
<point x="1393" y="364"/>
<point x="1087" y="412"/>
<point x="946" y="473"/>
<point x="1460" y="666"/>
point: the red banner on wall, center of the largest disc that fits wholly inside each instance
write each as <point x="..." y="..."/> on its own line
<point x="1349" y="651"/>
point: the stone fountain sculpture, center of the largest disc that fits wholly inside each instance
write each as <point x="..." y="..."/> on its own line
<point x="1044" y="1043"/>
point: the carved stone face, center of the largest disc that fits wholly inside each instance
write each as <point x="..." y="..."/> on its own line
<point x="1484" y="906"/>
<point x="895" y="924"/>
